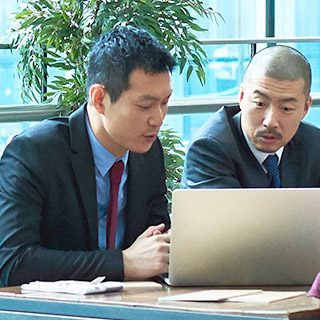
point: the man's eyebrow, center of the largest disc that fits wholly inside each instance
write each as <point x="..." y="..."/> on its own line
<point x="148" y="97"/>
<point x="289" y="99"/>
<point x="259" y="93"/>
<point x="283" y="99"/>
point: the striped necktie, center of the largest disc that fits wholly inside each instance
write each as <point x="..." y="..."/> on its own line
<point x="271" y="164"/>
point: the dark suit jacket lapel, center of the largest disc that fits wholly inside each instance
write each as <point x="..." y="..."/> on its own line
<point x="290" y="165"/>
<point x="136" y="186"/>
<point x="84" y="170"/>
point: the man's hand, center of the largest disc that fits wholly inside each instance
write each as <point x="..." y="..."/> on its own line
<point x="148" y="256"/>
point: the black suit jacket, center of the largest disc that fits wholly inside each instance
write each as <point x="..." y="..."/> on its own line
<point x="48" y="204"/>
<point x="219" y="157"/>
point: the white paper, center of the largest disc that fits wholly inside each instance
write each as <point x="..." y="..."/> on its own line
<point x="72" y="286"/>
<point x="268" y="296"/>
<point x="209" y="295"/>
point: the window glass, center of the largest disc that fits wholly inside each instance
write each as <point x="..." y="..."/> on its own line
<point x="224" y="69"/>
<point x="10" y="85"/>
<point x="240" y="19"/>
<point x="7" y="9"/>
<point x="291" y="23"/>
<point x="185" y="124"/>
<point x="313" y="115"/>
<point x="10" y="92"/>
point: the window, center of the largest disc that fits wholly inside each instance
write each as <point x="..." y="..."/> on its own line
<point x="243" y="19"/>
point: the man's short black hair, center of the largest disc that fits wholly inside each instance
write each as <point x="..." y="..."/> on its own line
<point x="121" y="51"/>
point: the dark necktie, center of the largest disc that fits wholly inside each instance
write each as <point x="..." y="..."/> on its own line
<point x="115" y="174"/>
<point x="271" y="164"/>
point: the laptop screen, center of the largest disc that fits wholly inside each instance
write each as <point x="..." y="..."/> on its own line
<point x="242" y="237"/>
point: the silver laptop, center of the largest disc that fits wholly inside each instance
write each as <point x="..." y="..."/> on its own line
<point x="244" y="237"/>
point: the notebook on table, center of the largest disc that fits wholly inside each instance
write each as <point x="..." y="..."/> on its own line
<point x="244" y="237"/>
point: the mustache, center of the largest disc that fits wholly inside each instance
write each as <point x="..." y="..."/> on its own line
<point x="275" y="133"/>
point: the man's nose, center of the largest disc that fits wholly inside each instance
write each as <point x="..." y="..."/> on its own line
<point x="271" y="118"/>
<point x="157" y="116"/>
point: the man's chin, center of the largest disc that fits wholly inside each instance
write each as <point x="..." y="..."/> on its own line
<point x="142" y="149"/>
<point x="268" y="149"/>
<point x="267" y="145"/>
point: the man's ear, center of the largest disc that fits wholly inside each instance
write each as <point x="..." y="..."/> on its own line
<point x="307" y="105"/>
<point x="241" y="94"/>
<point x="99" y="97"/>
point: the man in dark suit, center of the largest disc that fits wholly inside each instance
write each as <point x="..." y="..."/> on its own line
<point x="231" y="149"/>
<point x="55" y="183"/>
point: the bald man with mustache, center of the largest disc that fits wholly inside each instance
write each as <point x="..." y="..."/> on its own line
<point x="230" y="150"/>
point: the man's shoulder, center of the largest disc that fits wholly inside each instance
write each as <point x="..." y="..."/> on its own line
<point x="308" y="133"/>
<point x="49" y="131"/>
<point x="45" y="133"/>
<point x="306" y="139"/>
<point x="220" y="124"/>
<point x="309" y="127"/>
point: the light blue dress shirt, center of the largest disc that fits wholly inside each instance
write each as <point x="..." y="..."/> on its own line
<point x="104" y="160"/>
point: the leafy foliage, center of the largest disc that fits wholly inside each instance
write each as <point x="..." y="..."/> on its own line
<point x="59" y="33"/>
<point x="173" y="159"/>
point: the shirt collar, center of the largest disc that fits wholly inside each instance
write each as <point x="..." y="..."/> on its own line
<point x="103" y="158"/>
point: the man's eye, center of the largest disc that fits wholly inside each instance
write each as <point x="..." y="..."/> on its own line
<point x="143" y="107"/>
<point x="287" y="109"/>
<point x="259" y="104"/>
